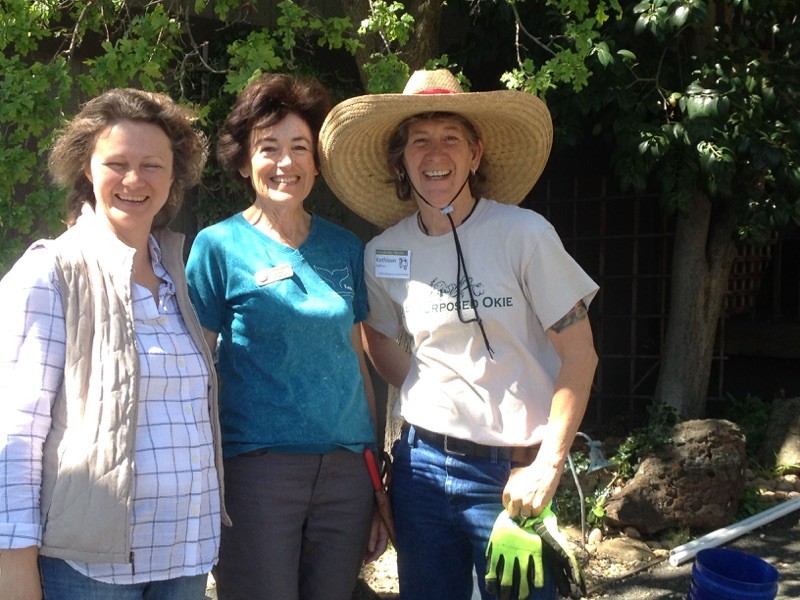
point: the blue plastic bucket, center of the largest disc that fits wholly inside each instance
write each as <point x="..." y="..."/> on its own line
<point x="725" y="574"/>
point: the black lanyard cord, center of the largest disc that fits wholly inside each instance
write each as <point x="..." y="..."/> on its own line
<point x="468" y="283"/>
<point x="461" y="263"/>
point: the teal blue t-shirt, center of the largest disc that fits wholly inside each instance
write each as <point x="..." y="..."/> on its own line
<point x="289" y="377"/>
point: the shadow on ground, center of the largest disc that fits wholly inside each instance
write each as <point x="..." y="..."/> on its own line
<point x="778" y="543"/>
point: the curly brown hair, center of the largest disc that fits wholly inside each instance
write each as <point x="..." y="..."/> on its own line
<point x="263" y="103"/>
<point x="75" y="143"/>
<point x="397" y="146"/>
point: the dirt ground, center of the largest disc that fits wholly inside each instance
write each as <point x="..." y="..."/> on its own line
<point x="777" y="542"/>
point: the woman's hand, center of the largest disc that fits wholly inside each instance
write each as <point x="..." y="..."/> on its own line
<point x="530" y="488"/>
<point x="19" y="574"/>
<point x="378" y="538"/>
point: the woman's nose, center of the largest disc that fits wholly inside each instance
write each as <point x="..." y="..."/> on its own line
<point x="131" y="177"/>
<point x="285" y="159"/>
<point x="435" y="147"/>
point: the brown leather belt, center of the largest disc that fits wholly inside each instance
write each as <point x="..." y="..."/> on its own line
<point x="460" y="447"/>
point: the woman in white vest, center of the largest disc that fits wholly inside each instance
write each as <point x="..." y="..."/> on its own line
<point x="502" y="357"/>
<point x="109" y="435"/>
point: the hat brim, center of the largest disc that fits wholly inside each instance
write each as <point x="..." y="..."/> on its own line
<point x="515" y="127"/>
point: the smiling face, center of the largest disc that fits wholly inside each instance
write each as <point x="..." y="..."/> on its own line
<point x="131" y="174"/>
<point x="281" y="167"/>
<point x="438" y="158"/>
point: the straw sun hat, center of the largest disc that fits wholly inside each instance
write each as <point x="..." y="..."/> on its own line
<point x="515" y="127"/>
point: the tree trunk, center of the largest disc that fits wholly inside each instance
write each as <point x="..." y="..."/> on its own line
<point x="423" y="44"/>
<point x="702" y="256"/>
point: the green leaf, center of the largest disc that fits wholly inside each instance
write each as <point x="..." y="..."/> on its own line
<point x="603" y="55"/>
<point x="680" y="16"/>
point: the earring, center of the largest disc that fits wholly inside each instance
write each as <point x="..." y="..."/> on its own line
<point x="401" y="175"/>
<point x="473" y="172"/>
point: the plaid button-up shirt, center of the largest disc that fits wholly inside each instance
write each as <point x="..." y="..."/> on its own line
<point x="175" y="518"/>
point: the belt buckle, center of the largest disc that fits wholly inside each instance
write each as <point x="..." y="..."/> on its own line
<point x="447" y="449"/>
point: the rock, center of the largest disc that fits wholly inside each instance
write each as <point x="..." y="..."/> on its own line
<point x="625" y="550"/>
<point x="595" y="537"/>
<point x="654" y="545"/>
<point x="781" y="447"/>
<point x="632" y="533"/>
<point x="697" y="481"/>
<point x="762" y="483"/>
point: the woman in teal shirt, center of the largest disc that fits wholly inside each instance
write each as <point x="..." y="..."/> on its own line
<point x="281" y="294"/>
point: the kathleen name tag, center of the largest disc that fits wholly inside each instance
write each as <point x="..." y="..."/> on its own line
<point x="393" y="264"/>
<point x="273" y="274"/>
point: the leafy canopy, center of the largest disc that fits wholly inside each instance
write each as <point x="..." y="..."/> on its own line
<point x="57" y="53"/>
<point x="692" y="94"/>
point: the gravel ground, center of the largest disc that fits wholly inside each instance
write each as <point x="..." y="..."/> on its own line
<point x="777" y="542"/>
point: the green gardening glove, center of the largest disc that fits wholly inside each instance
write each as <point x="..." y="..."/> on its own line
<point x="558" y="554"/>
<point x="513" y="559"/>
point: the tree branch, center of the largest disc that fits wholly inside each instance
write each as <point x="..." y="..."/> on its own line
<point x="521" y="27"/>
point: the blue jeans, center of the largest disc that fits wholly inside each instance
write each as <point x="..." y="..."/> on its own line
<point x="61" y="582"/>
<point x="444" y="507"/>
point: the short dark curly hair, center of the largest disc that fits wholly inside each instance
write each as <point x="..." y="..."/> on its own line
<point x="75" y="143"/>
<point x="263" y="103"/>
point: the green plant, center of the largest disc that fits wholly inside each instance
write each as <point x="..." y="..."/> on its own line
<point x="55" y="54"/>
<point x="752" y="415"/>
<point x="569" y="505"/>
<point x="645" y="439"/>
<point x="672" y="538"/>
<point x="386" y="71"/>
<point x="596" y="515"/>
<point x="751" y="503"/>
<point x="786" y="469"/>
<point x="568" y="498"/>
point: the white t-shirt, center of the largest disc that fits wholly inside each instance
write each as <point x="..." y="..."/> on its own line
<point x="523" y="281"/>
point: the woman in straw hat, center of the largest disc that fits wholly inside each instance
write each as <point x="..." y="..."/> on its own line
<point x="283" y="290"/>
<point x="502" y="357"/>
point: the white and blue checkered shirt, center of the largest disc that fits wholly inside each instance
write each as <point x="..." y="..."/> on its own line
<point x="175" y="518"/>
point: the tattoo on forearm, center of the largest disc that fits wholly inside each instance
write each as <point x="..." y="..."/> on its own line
<point x="577" y="313"/>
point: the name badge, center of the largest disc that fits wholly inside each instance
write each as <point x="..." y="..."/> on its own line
<point x="393" y="264"/>
<point x="273" y="274"/>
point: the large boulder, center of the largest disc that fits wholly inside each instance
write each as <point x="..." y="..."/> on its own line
<point x="781" y="447"/>
<point x="696" y="481"/>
